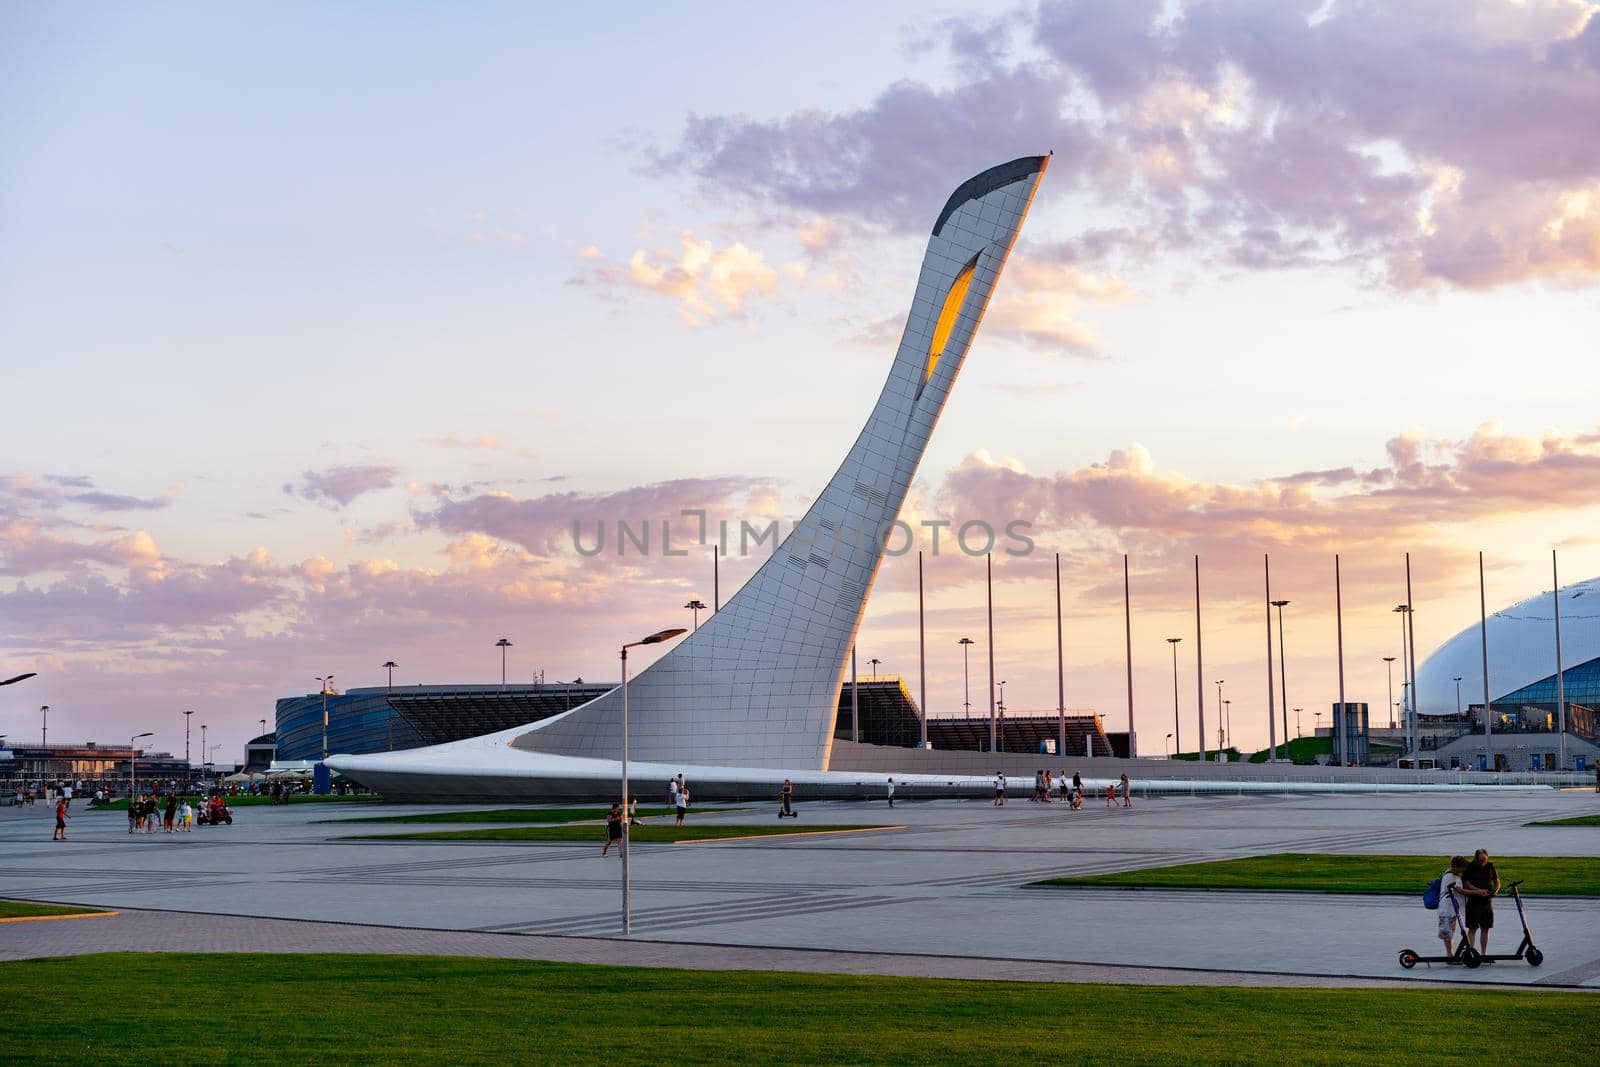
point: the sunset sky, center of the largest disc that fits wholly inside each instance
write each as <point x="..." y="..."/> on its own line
<point x="322" y="324"/>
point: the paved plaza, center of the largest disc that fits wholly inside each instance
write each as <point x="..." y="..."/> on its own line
<point x="948" y="894"/>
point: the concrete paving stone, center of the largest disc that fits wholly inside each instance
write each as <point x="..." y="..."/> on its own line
<point x="949" y="895"/>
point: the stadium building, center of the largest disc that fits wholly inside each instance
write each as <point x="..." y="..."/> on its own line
<point x="1525" y="715"/>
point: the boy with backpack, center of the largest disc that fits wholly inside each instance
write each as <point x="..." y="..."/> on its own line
<point x="1448" y="900"/>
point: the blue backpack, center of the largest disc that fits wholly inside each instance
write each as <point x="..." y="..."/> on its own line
<point x="1430" y="895"/>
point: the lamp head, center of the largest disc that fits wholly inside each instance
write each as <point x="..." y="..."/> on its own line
<point x="662" y="635"/>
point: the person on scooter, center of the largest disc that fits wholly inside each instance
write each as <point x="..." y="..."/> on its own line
<point x="1450" y="902"/>
<point x="1482" y="883"/>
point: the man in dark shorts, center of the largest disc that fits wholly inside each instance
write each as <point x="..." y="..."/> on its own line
<point x="61" y="821"/>
<point x="613" y="829"/>
<point x="1482" y="883"/>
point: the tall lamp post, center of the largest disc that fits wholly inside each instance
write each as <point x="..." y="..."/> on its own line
<point x="627" y="882"/>
<point x="966" y="683"/>
<point x="1177" y="726"/>
<point x="133" y="756"/>
<point x="1299" y="730"/>
<point x="502" y="645"/>
<point x="874" y="663"/>
<point x="203" y="750"/>
<point x="697" y="607"/>
<point x="1283" y="669"/>
<point x="44" y="729"/>
<point x="1389" y="662"/>
<point x="323" y="680"/>
<point x="1227" y="718"/>
<point x="1457" y="680"/>
<point x="388" y="703"/>
<point x="186" y="761"/>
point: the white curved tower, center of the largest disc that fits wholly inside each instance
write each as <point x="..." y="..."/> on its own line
<point x="758" y="683"/>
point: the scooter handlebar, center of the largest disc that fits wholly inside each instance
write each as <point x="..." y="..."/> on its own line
<point x="1513" y="885"/>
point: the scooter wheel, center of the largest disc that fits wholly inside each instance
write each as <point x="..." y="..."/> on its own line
<point x="1472" y="959"/>
<point x="1408" y="958"/>
<point x="1534" y="957"/>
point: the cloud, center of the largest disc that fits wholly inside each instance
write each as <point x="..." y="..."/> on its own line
<point x="339" y="485"/>
<point x="543" y="526"/>
<point x="704" y="281"/>
<point x="1439" y="143"/>
<point x="483" y="441"/>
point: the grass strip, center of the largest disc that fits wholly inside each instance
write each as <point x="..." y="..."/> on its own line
<point x="644" y="835"/>
<point x="1576" y="820"/>
<point x="27" y="909"/>
<point x="522" y="815"/>
<point x="247" y="801"/>
<point x="1546" y="876"/>
<point x="400" y="1009"/>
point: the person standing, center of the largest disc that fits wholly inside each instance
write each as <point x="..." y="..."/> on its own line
<point x="186" y="817"/>
<point x="1482" y="882"/>
<point x="672" y="793"/>
<point x="1127" y="792"/>
<point x="66" y="791"/>
<point x="681" y="801"/>
<point x="613" y="829"/>
<point x="786" y="801"/>
<point x="1450" y="898"/>
<point x="133" y="814"/>
<point x="999" y="789"/>
<point x="891" y="791"/>
<point x="1077" y="783"/>
<point x="169" y="824"/>
<point x="61" y="820"/>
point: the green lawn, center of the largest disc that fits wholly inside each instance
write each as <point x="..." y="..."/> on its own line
<point x="1305" y="750"/>
<point x="1559" y="876"/>
<point x="1576" y="820"/>
<point x="1211" y="755"/>
<point x="521" y="815"/>
<point x="19" y="909"/>
<point x="644" y="835"/>
<point x="399" y="1009"/>
<point x="121" y="803"/>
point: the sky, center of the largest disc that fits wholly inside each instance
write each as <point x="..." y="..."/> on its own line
<point x="322" y="325"/>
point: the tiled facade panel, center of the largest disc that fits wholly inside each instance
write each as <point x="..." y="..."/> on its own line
<point x="758" y="683"/>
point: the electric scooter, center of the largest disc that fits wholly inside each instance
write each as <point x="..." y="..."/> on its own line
<point x="1526" y="950"/>
<point x="1465" y="954"/>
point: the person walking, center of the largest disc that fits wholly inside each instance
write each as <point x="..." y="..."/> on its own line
<point x="1111" y="795"/>
<point x="61" y="821"/>
<point x="169" y="824"/>
<point x="1127" y="792"/>
<point x="786" y="801"/>
<point x="891" y="791"/>
<point x="613" y="829"/>
<point x="999" y="789"/>
<point x="681" y="801"/>
<point x="134" y="809"/>
<point x="1077" y="783"/>
<point x="1482" y="882"/>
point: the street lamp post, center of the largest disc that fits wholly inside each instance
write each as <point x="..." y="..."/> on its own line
<point x="1177" y="725"/>
<point x="1299" y="730"/>
<point x="44" y="729"/>
<point x="1227" y="715"/>
<point x="1001" y="708"/>
<point x="502" y="645"/>
<point x="1457" y="680"/>
<point x="1389" y="662"/>
<point x="697" y="607"/>
<point x="966" y="683"/>
<point x="133" y="756"/>
<point x="323" y="680"/>
<point x="203" y="749"/>
<point x="874" y="663"/>
<point x="1219" y="722"/>
<point x="627" y="881"/>
<point x="1283" y="668"/>
<point x="1168" y="746"/>
<point x="388" y="703"/>
<point x="188" y="764"/>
